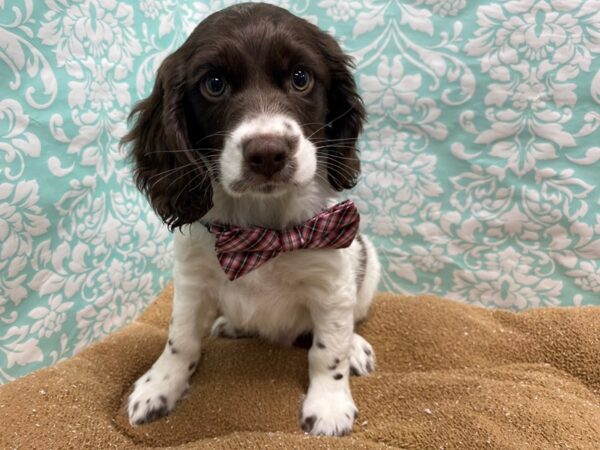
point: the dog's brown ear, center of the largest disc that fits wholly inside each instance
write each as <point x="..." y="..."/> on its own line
<point x="171" y="174"/>
<point x="346" y="115"/>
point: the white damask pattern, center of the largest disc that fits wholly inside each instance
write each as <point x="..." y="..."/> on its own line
<point x="479" y="179"/>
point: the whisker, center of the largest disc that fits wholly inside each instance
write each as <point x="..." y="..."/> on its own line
<point x="340" y="158"/>
<point x="340" y="170"/>
<point x="335" y="146"/>
<point x="317" y="174"/>
<point x="310" y="123"/>
<point x="333" y="120"/>
<point x="333" y="140"/>
<point x="182" y="150"/>
<point x="169" y="171"/>
<point x="338" y="162"/>
<point x="218" y="133"/>
<point x="211" y="158"/>
<point x="199" y="184"/>
<point x="204" y="175"/>
<point x="179" y="177"/>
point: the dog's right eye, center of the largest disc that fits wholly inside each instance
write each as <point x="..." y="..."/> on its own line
<point x="214" y="85"/>
<point x="300" y="79"/>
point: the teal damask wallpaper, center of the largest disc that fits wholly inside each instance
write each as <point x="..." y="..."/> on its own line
<point x="480" y="178"/>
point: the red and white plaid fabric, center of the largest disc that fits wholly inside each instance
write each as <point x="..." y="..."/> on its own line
<point x="241" y="250"/>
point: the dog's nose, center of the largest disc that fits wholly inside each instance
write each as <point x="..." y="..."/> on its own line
<point x="266" y="154"/>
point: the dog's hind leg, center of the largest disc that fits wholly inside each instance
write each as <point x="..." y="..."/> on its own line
<point x="224" y="328"/>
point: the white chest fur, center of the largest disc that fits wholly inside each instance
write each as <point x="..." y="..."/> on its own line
<point x="272" y="299"/>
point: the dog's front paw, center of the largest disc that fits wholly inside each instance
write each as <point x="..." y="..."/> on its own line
<point x="362" y="356"/>
<point x="328" y="413"/>
<point x="154" y="396"/>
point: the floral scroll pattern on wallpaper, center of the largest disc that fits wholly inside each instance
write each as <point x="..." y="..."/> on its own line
<point x="480" y="177"/>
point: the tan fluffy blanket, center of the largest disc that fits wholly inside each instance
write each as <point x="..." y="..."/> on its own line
<point x="448" y="376"/>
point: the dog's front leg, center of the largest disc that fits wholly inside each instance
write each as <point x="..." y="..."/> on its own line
<point x="157" y="391"/>
<point x="328" y="408"/>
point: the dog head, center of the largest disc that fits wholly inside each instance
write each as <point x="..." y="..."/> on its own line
<point x="257" y="100"/>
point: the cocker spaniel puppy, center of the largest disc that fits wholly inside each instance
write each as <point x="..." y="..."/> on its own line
<point x="243" y="145"/>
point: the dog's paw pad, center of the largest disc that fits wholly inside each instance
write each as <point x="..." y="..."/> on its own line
<point x="362" y="357"/>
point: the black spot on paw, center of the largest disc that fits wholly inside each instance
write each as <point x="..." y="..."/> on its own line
<point x="338" y="376"/>
<point x="163" y="399"/>
<point x="344" y="432"/>
<point x="136" y="406"/>
<point x="192" y="366"/>
<point x="320" y="345"/>
<point x="308" y="423"/>
<point x="370" y="367"/>
<point x="354" y="371"/>
<point x="170" y="342"/>
<point x="336" y="361"/>
<point x="174" y="350"/>
<point x="148" y="380"/>
<point x="367" y="351"/>
<point x="153" y="414"/>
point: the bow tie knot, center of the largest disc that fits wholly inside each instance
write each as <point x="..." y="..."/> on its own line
<point x="291" y="241"/>
<point x="241" y="250"/>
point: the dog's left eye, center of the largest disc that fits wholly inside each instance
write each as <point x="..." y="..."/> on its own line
<point x="215" y="85"/>
<point x="300" y="79"/>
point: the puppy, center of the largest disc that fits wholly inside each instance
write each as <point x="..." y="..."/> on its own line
<point x="253" y="122"/>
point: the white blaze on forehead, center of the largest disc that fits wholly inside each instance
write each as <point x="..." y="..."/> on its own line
<point x="268" y="124"/>
<point x="232" y="159"/>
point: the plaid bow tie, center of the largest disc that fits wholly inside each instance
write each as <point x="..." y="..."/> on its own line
<point x="241" y="250"/>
